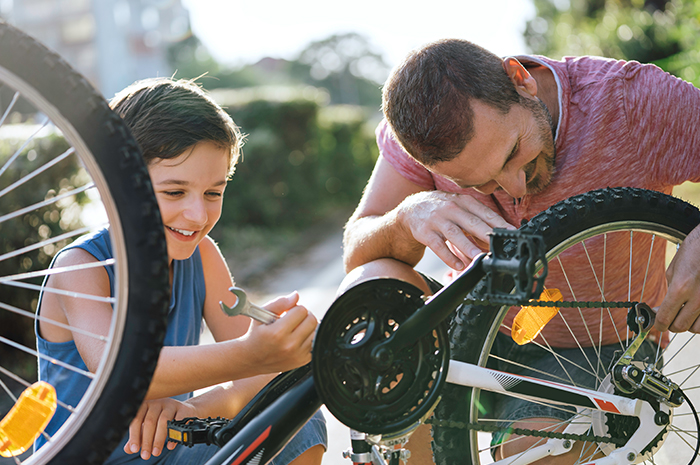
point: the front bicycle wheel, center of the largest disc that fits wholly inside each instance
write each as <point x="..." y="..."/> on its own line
<point x="608" y="245"/>
<point x="69" y="166"/>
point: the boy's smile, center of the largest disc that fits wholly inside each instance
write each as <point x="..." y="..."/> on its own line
<point x="190" y="190"/>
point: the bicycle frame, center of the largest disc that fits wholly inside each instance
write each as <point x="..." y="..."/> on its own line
<point x="267" y="433"/>
<point x="271" y="426"/>
<point x="585" y="400"/>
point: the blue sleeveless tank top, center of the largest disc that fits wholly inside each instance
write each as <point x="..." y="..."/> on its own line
<point x="184" y="328"/>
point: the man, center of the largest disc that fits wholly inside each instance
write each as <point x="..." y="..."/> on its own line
<point x="472" y="142"/>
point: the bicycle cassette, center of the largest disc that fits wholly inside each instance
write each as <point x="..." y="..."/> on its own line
<point x="367" y="394"/>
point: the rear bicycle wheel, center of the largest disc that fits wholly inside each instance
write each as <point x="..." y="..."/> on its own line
<point x="68" y="166"/>
<point x="606" y="245"/>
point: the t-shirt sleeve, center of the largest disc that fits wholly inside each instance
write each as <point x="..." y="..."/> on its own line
<point x="400" y="160"/>
<point x="663" y="114"/>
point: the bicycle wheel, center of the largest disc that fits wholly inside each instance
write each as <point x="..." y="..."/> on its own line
<point x="68" y="166"/>
<point x="606" y="245"/>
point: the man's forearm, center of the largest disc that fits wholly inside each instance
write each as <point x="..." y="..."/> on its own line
<point x="370" y="238"/>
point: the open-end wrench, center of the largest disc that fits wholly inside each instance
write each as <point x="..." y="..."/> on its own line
<point x="243" y="307"/>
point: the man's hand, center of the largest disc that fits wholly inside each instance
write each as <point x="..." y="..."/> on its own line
<point x="680" y="309"/>
<point x="451" y="225"/>
<point x="148" y="431"/>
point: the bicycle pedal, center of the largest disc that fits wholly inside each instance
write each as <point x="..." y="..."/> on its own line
<point x="191" y="431"/>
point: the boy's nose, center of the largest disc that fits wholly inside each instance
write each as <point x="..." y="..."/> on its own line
<point x="196" y="212"/>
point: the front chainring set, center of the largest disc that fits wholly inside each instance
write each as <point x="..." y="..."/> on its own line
<point x="367" y="394"/>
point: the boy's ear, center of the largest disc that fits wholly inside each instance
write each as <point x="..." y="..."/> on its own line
<point x="523" y="81"/>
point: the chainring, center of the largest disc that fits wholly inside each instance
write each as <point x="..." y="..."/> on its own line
<point x="364" y="395"/>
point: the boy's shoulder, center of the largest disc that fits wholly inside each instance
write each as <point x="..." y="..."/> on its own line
<point x="209" y="250"/>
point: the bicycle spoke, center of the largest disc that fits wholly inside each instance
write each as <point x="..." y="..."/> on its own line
<point x="34" y="316"/>
<point x="8" y="392"/>
<point x="26" y="384"/>
<point x="51" y="241"/>
<point x="45" y="203"/>
<point x="19" y="151"/>
<point x="680" y="436"/>
<point x="9" y="108"/>
<point x="679" y="350"/>
<point x="558" y="378"/>
<point x="558" y="356"/>
<point x="646" y="271"/>
<point x="38" y="171"/>
<point x="36" y="354"/>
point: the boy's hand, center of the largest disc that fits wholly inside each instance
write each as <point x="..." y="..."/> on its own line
<point x="148" y="431"/>
<point x="286" y="343"/>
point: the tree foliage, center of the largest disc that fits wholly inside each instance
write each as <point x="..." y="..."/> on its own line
<point x="346" y="65"/>
<point x="662" y="32"/>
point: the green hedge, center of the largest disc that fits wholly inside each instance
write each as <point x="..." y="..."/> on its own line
<point x="302" y="159"/>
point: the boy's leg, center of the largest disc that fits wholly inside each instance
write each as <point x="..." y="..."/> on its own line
<point x="308" y="446"/>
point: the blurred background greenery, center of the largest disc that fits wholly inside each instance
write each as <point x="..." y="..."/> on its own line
<point x="311" y="148"/>
<point x="310" y="143"/>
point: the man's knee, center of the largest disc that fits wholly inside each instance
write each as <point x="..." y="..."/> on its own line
<point x="384" y="268"/>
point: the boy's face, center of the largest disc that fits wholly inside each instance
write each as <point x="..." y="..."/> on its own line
<point x="189" y="190"/>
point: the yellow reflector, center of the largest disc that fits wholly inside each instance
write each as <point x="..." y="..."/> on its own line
<point x="27" y="419"/>
<point x="175" y="435"/>
<point x="531" y="319"/>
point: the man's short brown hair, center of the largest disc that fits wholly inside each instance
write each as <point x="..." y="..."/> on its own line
<point x="426" y="100"/>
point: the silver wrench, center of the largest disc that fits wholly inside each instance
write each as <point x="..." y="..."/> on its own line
<point x="243" y="307"/>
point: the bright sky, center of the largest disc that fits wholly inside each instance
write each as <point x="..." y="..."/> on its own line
<point x="237" y="32"/>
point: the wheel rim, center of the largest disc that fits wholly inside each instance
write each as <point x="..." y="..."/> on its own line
<point x="57" y="121"/>
<point x="677" y="441"/>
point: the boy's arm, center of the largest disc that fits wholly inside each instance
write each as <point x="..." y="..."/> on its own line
<point x="284" y="345"/>
<point x="280" y="346"/>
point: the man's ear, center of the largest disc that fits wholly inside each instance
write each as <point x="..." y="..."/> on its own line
<point x="524" y="83"/>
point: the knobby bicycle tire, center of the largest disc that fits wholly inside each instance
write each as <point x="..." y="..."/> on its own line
<point x="113" y="160"/>
<point x="566" y="224"/>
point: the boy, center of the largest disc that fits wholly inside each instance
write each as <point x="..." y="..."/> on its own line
<point x="190" y="146"/>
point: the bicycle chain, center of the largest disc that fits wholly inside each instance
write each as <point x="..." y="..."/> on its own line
<point x="525" y="432"/>
<point x="546" y="303"/>
<point x="531" y="432"/>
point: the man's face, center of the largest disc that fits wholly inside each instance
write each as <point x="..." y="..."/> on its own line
<point x="514" y="152"/>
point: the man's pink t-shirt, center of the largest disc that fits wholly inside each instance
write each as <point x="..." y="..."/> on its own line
<point x="620" y="124"/>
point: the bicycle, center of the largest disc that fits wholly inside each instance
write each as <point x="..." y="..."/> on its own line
<point x="381" y="360"/>
<point x="363" y="324"/>
<point x="68" y="165"/>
